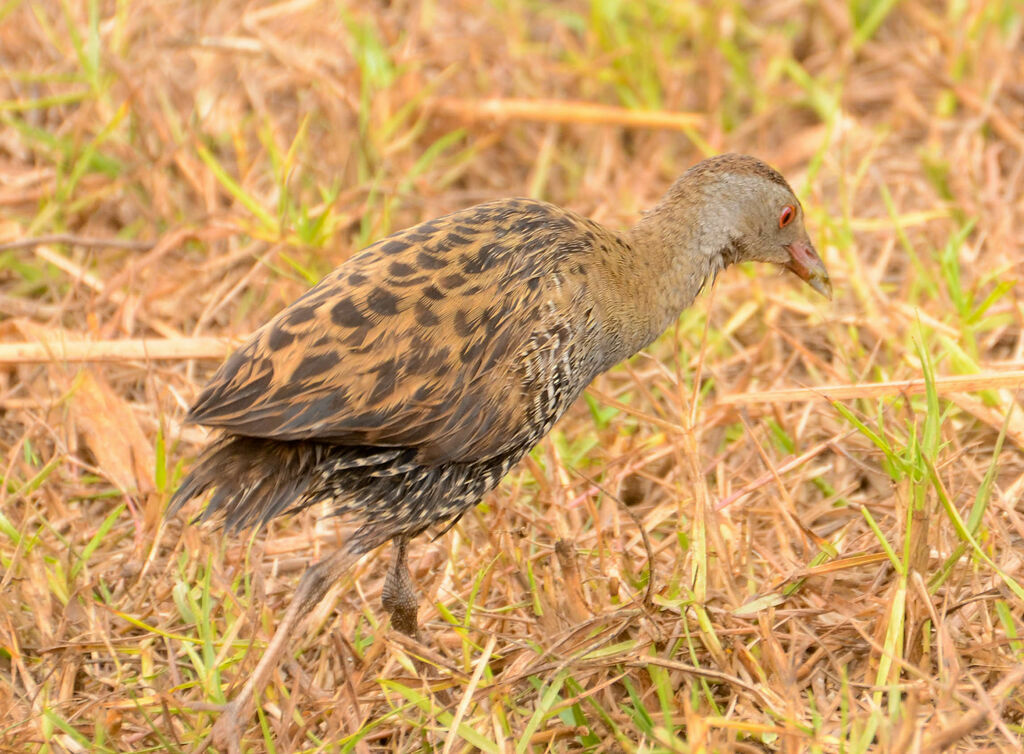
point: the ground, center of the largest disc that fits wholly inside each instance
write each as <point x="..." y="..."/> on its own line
<point x="693" y="561"/>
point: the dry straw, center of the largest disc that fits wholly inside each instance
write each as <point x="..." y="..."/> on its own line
<point x="823" y="503"/>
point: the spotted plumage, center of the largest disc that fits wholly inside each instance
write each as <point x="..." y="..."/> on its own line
<point x="404" y="385"/>
<point x="409" y="380"/>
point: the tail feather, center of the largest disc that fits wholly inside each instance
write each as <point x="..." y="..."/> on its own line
<point x="253" y="479"/>
<point x="387" y="491"/>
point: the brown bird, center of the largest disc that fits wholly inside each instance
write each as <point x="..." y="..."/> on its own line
<point x="404" y="385"/>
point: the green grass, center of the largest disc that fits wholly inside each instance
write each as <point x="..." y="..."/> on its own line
<point x="800" y="617"/>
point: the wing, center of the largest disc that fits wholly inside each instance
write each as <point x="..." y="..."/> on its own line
<point x="430" y="338"/>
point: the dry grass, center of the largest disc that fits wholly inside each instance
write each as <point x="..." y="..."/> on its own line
<point x="819" y="576"/>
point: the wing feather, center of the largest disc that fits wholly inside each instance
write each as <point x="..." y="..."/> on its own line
<point x="418" y="341"/>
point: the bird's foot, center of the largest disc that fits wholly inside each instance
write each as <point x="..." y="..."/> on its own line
<point x="397" y="595"/>
<point x="227" y="731"/>
<point x="403" y="618"/>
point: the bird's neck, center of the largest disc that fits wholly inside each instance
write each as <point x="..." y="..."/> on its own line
<point x="668" y="257"/>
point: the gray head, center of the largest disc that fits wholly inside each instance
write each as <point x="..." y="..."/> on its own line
<point x="747" y="212"/>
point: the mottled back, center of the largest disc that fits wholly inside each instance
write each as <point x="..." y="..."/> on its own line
<point x="445" y="337"/>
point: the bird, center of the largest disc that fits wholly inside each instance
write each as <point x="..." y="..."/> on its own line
<point x="403" y="386"/>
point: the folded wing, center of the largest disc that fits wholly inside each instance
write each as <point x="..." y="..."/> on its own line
<point x="430" y="338"/>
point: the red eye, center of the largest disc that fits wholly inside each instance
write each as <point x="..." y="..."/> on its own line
<point x="787" y="215"/>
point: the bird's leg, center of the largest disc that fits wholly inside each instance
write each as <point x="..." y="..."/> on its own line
<point x="312" y="587"/>
<point x="399" y="598"/>
<point x="397" y="595"/>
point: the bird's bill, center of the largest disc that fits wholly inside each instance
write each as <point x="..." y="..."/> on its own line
<point x="805" y="263"/>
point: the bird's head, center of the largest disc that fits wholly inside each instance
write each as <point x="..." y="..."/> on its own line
<point x="761" y="216"/>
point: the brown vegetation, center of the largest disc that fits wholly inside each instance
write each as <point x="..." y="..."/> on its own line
<point x="692" y="561"/>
